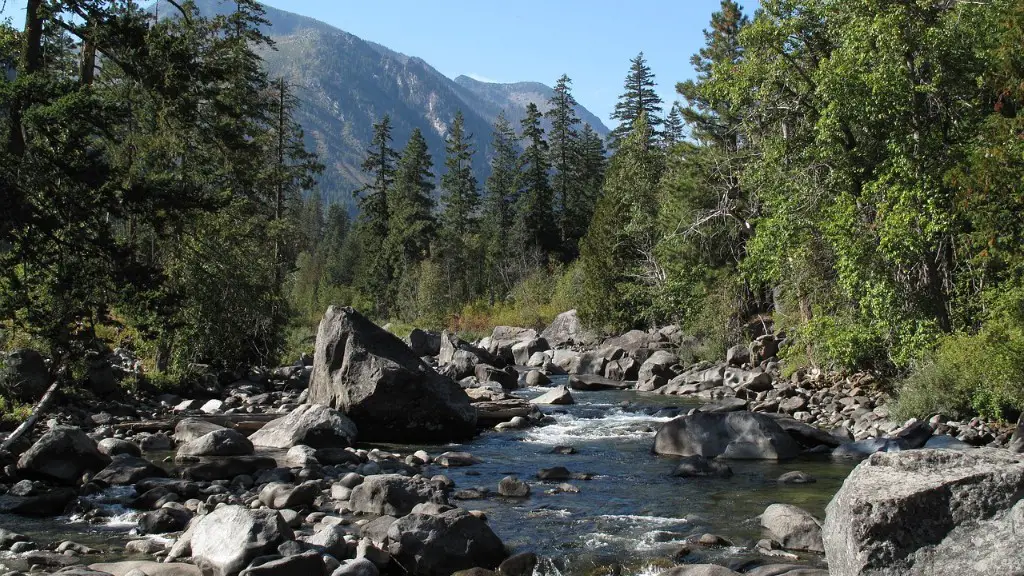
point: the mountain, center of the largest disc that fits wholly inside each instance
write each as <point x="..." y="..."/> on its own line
<point x="347" y="83"/>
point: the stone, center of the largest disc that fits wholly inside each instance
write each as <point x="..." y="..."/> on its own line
<point x="301" y="456"/>
<point x="311" y="425"/>
<point x="438" y="545"/>
<point x="726" y="405"/>
<point x="159" y="442"/>
<point x="558" y="396"/>
<point x="149" y="568"/>
<point x="567" y="329"/>
<point x="928" y="512"/>
<point x="305" y="564"/>
<point x="488" y="373"/>
<point x="658" y="364"/>
<point x="23" y="375"/>
<point x="733" y="435"/>
<point x="278" y="495"/>
<point x="793" y="527"/>
<point x="224" y="442"/>
<point x="40" y="504"/>
<point x="591" y="383"/>
<point x="189" y="429"/>
<point x="330" y="540"/>
<point x="212" y="406"/>
<point x="521" y="564"/>
<point x="556" y="474"/>
<point x="796" y="477"/>
<point x="376" y="530"/>
<point x="738" y="355"/>
<point x="455" y="459"/>
<point x="524" y="350"/>
<point x="115" y="447"/>
<point x="699" y="570"/>
<point x="1017" y="439"/>
<point x="124" y="470"/>
<point x="393" y="494"/>
<point x="62" y="455"/>
<point x="164" y="520"/>
<point x="383" y="386"/>
<point x="512" y="487"/>
<point x="356" y="567"/>
<point x="227" y="468"/>
<point x="226" y="540"/>
<point x="698" y="467"/>
<point x="425" y="343"/>
<point x="535" y="378"/>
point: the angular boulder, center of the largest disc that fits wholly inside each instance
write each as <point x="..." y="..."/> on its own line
<point x="312" y="425"/>
<point x="1017" y="439"/>
<point x="382" y="386"/>
<point x="62" y="455"/>
<point x="224" y="442"/>
<point x="567" y="329"/>
<point x="441" y="544"/>
<point x="225" y="541"/>
<point x="559" y="396"/>
<point x="658" y="364"/>
<point x="425" y="343"/>
<point x="393" y="494"/>
<point x="124" y="470"/>
<point x="278" y="495"/>
<point x="792" y="527"/>
<point x="189" y="429"/>
<point x="928" y="512"/>
<point x="734" y="435"/>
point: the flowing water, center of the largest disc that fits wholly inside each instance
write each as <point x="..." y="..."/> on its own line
<point x="630" y="517"/>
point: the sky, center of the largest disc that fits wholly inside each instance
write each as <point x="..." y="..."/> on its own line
<point x="537" y="40"/>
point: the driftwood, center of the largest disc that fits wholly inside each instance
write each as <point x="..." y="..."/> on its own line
<point x="241" y="422"/>
<point x="26" y="427"/>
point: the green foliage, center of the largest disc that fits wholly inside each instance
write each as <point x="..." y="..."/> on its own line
<point x="639" y="100"/>
<point x="535" y="225"/>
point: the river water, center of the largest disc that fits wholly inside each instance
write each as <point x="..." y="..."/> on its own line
<point x="630" y="517"/>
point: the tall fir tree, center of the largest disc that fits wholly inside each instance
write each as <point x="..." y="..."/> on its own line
<point x="589" y="162"/>
<point x="563" y="144"/>
<point x="460" y="199"/>
<point x="639" y="99"/>
<point x="380" y="165"/>
<point x="672" y="132"/>
<point x="411" y="206"/>
<point x="535" y="217"/>
<point x="501" y="196"/>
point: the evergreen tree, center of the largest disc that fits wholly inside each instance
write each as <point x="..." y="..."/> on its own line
<point x="460" y="199"/>
<point x="672" y="133"/>
<point x="535" y="219"/>
<point x="620" y="271"/>
<point x="589" y="161"/>
<point x="412" y="225"/>
<point x="502" y="194"/>
<point x="375" y="271"/>
<point x="639" y="99"/>
<point x="563" y="148"/>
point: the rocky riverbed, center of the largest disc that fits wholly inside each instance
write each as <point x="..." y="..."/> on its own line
<point x="523" y="453"/>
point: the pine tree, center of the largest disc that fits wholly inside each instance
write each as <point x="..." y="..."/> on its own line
<point x="563" y="147"/>
<point x="589" y="162"/>
<point x="639" y="99"/>
<point x="460" y="199"/>
<point x="502" y="194"/>
<point x="375" y="268"/>
<point x="411" y="205"/>
<point x="535" y="218"/>
<point x="617" y="255"/>
<point x="672" y="133"/>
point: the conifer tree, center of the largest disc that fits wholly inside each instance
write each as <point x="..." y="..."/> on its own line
<point x="535" y="218"/>
<point x="589" y="162"/>
<point x="410" y="206"/>
<point x="380" y="164"/>
<point x="563" y="148"/>
<point x="639" y="99"/>
<point x="460" y="198"/>
<point x="501" y="196"/>
<point x="672" y="133"/>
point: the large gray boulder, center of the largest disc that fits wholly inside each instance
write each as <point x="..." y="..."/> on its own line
<point x="311" y="425"/>
<point x="559" y="396"/>
<point x="62" y="455"/>
<point x="125" y="469"/>
<point x="792" y="527"/>
<point x="23" y="375"/>
<point x="1017" y="440"/>
<point x="188" y="429"/>
<point x="567" y="329"/>
<point x="393" y="494"/>
<point x="735" y="435"/>
<point x="382" y="386"/>
<point x="929" y="512"/>
<point x="225" y="442"/>
<point x="425" y="343"/>
<point x="225" y="541"/>
<point x="442" y="544"/>
<point x="658" y="364"/>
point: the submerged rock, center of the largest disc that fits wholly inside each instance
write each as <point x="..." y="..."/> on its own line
<point x="736" y="435"/>
<point x="383" y="386"/>
<point x="928" y="512"/>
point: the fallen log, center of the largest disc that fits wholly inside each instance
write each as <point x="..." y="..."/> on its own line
<point x="26" y="427"/>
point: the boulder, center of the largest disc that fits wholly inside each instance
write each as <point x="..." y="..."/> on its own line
<point x="589" y="363"/>
<point x="699" y="570"/>
<point x="524" y="350"/>
<point x="792" y="527"/>
<point x="356" y="567"/>
<point x="383" y="386"/>
<point x="425" y="343"/>
<point x="225" y="442"/>
<point x="738" y="355"/>
<point x="189" y="429"/>
<point x="226" y="540"/>
<point x="438" y="545"/>
<point x="313" y="425"/>
<point x="23" y="375"/>
<point x="535" y="378"/>
<point x="1017" y="439"/>
<point x="928" y="512"/>
<point x="38" y="504"/>
<point x="393" y="494"/>
<point x="589" y="383"/>
<point x="567" y="329"/>
<point x="164" y="520"/>
<point x="62" y="455"/>
<point x="115" y="447"/>
<point x="304" y="564"/>
<point x="488" y="373"/>
<point x="124" y="470"/>
<point x="699" y="467"/>
<point x="658" y="364"/>
<point x="512" y="487"/>
<point x="736" y="435"/>
<point x="147" y="567"/>
<point x="226" y="468"/>
<point x="558" y="395"/>
<point x="279" y="495"/>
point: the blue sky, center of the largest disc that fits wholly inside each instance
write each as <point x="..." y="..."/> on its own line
<point x="590" y="40"/>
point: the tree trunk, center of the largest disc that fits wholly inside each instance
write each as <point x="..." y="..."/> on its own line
<point x="26" y="427"/>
